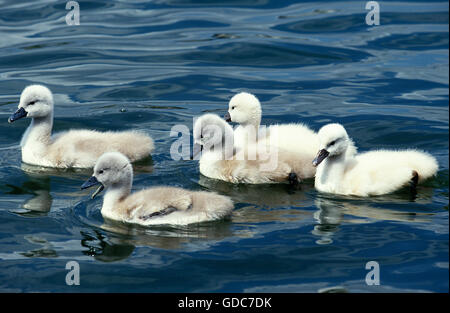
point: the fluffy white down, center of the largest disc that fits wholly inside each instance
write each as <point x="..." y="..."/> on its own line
<point x="74" y="148"/>
<point x="299" y="140"/>
<point x="113" y="170"/>
<point x="371" y="173"/>
<point x="255" y="164"/>
<point x="245" y="109"/>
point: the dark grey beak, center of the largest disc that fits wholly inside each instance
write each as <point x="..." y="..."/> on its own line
<point x="92" y="181"/>
<point x="320" y="157"/>
<point x="227" y="117"/>
<point x="196" y="151"/>
<point x="17" y="115"/>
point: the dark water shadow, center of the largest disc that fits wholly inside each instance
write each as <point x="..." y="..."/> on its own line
<point x="110" y="241"/>
<point x="263" y="195"/>
<point x="334" y="211"/>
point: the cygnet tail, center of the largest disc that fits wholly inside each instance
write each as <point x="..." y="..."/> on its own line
<point x="421" y="162"/>
<point x="134" y="144"/>
<point x="213" y="205"/>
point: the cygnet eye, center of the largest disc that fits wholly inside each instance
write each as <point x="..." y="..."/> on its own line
<point x="103" y="170"/>
<point x="32" y="102"/>
<point x="332" y="143"/>
<point x="232" y="108"/>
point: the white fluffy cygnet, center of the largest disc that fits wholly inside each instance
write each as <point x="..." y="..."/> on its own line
<point x="255" y="164"/>
<point x="366" y="174"/>
<point x="245" y="109"/>
<point x="152" y="206"/>
<point x="74" y="148"/>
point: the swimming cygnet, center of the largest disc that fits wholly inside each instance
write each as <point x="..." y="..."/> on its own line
<point x="157" y="205"/>
<point x="370" y="173"/>
<point x="245" y="109"/>
<point x="74" y="148"/>
<point x="213" y="137"/>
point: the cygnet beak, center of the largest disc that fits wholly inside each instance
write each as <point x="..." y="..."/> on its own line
<point x="320" y="157"/>
<point x="17" y="115"/>
<point x="227" y="117"/>
<point x="92" y="181"/>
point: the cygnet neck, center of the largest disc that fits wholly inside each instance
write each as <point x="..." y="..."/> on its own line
<point x="249" y="130"/>
<point x="332" y="169"/>
<point x="254" y="121"/>
<point x="39" y="131"/>
<point x="117" y="192"/>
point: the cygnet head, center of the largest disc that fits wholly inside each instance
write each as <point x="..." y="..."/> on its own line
<point x="35" y="101"/>
<point x="333" y="141"/>
<point x="112" y="169"/>
<point x="244" y="108"/>
<point x="211" y="133"/>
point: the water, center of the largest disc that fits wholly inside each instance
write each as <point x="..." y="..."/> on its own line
<point x="150" y="66"/>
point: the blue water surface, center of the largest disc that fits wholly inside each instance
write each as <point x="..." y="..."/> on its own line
<point x="151" y="65"/>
